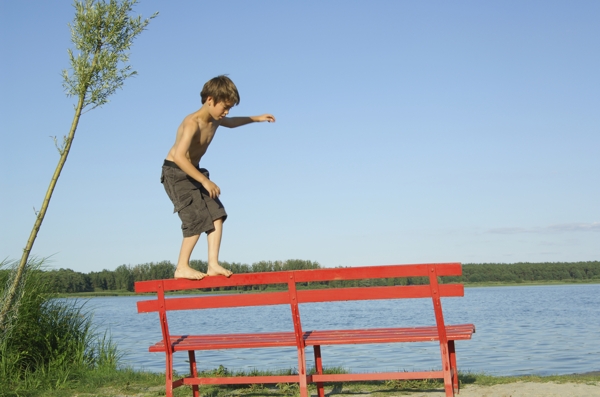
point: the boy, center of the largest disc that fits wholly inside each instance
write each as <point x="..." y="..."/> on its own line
<point x="194" y="195"/>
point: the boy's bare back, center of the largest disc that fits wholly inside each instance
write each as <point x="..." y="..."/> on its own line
<point x="199" y="134"/>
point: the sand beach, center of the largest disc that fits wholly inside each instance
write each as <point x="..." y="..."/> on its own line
<point x="518" y="389"/>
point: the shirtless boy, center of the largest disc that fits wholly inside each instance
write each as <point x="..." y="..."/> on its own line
<point x="194" y="195"/>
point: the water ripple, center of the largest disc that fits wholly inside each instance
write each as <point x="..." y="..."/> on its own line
<point x="520" y="330"/>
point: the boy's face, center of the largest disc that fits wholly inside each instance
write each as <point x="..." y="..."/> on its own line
<point x="220" y="109"/>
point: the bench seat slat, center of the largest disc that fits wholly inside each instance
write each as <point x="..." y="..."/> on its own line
<point x="387" y="335"/>
<point x="311" y="338"/>
<point x="227" y="341"/>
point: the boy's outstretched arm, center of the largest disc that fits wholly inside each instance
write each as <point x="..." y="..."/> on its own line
<point x="232" y="122"/>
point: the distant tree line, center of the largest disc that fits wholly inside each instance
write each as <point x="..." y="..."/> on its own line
<point x="124" y="276"/>
<point x="526" y="272"/>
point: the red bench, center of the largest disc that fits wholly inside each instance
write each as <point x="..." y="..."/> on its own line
<point x="294" y="296"/>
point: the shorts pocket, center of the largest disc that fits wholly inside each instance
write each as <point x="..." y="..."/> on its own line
<point x="183" y="201"/>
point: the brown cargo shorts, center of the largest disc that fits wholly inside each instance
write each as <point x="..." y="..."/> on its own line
<point x="196" y="209"/>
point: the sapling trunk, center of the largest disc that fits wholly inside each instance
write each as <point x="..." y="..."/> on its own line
<point x="103" y="33"/>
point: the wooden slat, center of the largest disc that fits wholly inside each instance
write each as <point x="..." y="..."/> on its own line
<point x="371" y="293"/>
<point x="387" y="335"/>
<point x="241" y="380"/>
<point x="349" y="273"/>
<point x="228" y="341"/>
<point x="372" y="272"/>
<point x="376" y="376"/>
<point x="236" y="280"/>
<point x="211" y="302"/>
<point x="304" y="296"/>
<point x="329" y="337"/>
<point x="439" y="333"/>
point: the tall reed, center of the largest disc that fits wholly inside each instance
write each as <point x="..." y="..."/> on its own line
<point x="46" y="342"/>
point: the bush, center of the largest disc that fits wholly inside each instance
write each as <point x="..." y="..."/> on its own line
<point x="47" y="342"/>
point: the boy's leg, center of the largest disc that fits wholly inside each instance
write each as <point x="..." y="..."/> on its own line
<point x="214" y="244"/>
<point x="183" y="264"/>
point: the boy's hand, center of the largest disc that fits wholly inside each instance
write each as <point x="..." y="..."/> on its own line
<point x="264" y="117"/>
<point x="212" y="189"/>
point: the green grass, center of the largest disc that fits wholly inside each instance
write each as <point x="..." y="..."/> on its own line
<point x="110" y="382"/>
<point x="489" y="380"/>
<point x="48" y="343"/>
<point x="49" y="348"/>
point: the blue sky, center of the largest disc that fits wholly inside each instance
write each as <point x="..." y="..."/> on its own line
<point x="407" y="132"/>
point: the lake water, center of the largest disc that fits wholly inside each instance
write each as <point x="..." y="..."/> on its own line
<point x="540" y="330"/>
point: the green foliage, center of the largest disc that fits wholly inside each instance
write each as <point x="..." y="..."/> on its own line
<point x="414" y="384"/>
<point x="67" y="281"/>
<point x="48" y="341"/>
<point x="45" y="342"/>
<point x="529" y="272"/>
<point x="102" y="34"/>
<point x="126" y="382"/>
<point x="124" y="277"/>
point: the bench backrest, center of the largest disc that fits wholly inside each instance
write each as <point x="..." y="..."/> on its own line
<point x="294" y="296"/>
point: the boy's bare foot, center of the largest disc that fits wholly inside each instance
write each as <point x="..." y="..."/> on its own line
<point x="218" y="270"/>
<point x="189" y="273"/>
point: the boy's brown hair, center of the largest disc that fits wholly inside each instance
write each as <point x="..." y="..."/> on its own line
<point x="221" y="89"/>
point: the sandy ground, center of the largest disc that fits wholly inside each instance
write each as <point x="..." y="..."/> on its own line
<point x="520" y="389"/>
<point x="517" y="389"/>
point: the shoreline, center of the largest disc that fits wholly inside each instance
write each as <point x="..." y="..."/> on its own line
<point x="129" y="383"/>
<point x="116" y="293"/>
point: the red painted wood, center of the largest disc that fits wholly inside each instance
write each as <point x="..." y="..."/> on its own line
<point x="314" y="338"/>
<point x="211" y="302"/>
<point x="193" y="372"/>
<point x="441" y="329"/>
<point x="241" y="380"/>
<point x="377" y="376"/>
<point x="236" y="280"/>
<point x="298" y="335"/>
<point x="453" y="366"/>
<point x="164" y="327"/>
<point x="441" y="333"/>
<point x="301" y="276"/>
<point x="198" y="343"/>
<point x="304" y="296"/>
<point x="371" y="272"/>
<point x="319" y="370"/>
<point x="372" y="293"/>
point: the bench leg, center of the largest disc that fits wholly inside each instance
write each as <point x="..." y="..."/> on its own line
<point x="193" y="371"/>
<point x="169" y="375"/>
<point x="319" y="370"/>
<point x="446" y="367"/>
<point x="453" y="366"/>
<point x="302" y="372"/>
